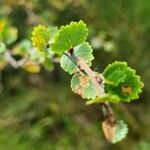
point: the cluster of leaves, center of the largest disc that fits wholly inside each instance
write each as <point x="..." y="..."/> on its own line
<point x="120" y="81"/>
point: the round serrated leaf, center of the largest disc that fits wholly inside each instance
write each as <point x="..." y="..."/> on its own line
<point x="69" y="36"/>
<point x="83" y="51"/>
<point x="120" y="131"/>
<point x="83" y="86"/>
<point x="115" y="132"/>
<point x="122" y="81"/>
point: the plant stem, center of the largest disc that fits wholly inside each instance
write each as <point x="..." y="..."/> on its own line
<point x="80" y="63"/>
<point x="14" y="63"/>
<point x="108" y="112"/>
<point x="106" y="108"/>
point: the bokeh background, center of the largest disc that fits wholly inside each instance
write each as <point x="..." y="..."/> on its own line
<point x="39" y="111"/>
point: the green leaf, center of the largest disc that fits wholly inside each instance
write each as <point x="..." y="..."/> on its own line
<point x="115" y="132"/>
<point x="83" y="86"/>
<point x="120" y="131"/>
<point x="69" y="36"/>
<point x="83" y="51"/>
<point x="107" y="97"/>
<point x="2" y="47"/>
<point x="122" y="81"/>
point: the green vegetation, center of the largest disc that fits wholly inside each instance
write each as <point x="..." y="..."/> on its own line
<point x="38" y="109"/>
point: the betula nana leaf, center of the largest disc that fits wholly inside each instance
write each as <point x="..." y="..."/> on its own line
<point x="83" y="86"/>
<point x="122" y="81"/>
<point x="69" y="36"/>
<point x="114" y="132"/>
<point x="83" y="51"/>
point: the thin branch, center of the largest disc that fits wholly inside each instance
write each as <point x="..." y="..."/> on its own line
<point x="108" y="113"/>
<point x="71" y="58"/>
<point x="74" y="61"/>
<point x="106" y="108"/>
<point x="14" y="63"/>
<point x="90" y="73"/>
<point x="10" y="59"/>
<point x="7" y="55"/>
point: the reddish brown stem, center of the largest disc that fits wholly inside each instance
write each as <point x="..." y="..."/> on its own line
<point x="108" y="113"/>
<point x="107" y="110"/>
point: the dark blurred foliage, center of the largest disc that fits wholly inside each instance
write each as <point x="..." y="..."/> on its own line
<point x="40" y="111"/>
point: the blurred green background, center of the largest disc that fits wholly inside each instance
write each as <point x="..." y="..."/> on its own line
<point x="39" y="111"/>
